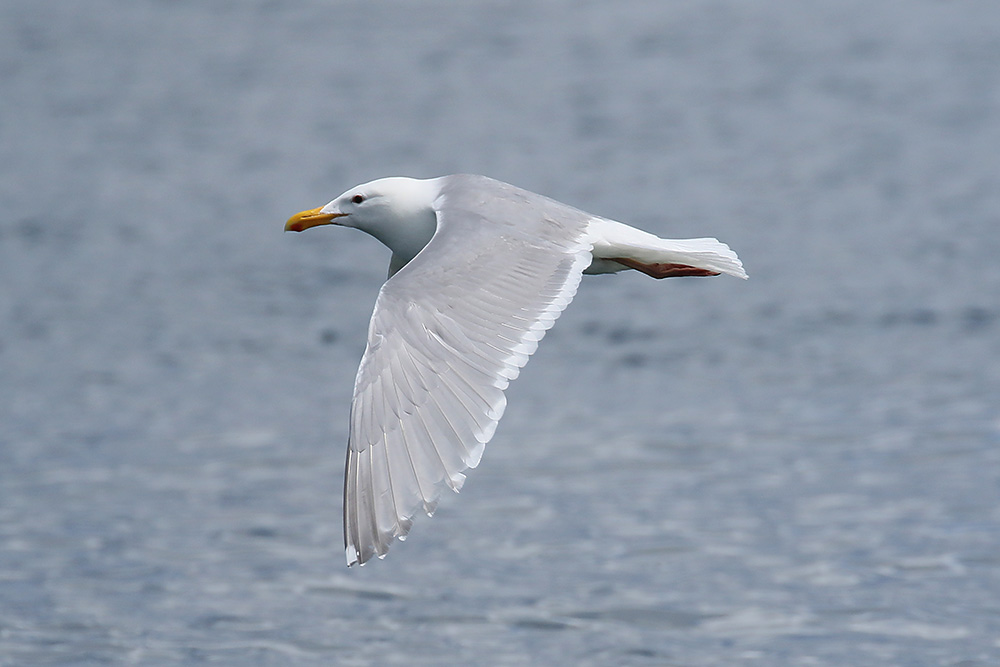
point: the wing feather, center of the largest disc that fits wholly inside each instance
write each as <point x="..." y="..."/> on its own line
<point x="450" y="330"/>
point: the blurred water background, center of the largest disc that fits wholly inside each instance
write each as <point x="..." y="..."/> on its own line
<point x="802" y="469"/>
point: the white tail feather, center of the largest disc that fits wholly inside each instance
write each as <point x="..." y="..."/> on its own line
<point x="616" y="240"/>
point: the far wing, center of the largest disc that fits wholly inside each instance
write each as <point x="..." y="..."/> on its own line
<point x="450" y="330"/>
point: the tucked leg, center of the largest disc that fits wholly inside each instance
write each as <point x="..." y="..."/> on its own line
<point x="664" y="270"/>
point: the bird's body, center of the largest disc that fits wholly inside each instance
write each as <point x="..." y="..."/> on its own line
<point x="480" y="270"/>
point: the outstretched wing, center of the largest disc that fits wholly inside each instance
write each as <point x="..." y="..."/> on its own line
<point x="450" y="331"/>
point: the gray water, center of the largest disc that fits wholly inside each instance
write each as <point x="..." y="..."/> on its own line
<point x="801" y="469"/>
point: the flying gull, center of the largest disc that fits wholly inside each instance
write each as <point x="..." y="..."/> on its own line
<point x="480" y="270"/>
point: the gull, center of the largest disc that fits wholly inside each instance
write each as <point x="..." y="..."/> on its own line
<point x="480" y="270"/>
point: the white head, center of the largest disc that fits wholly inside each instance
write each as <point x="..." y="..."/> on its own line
<point x="398" y="211"/>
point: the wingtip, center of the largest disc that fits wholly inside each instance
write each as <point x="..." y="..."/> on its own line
<point x="352" y="556"/>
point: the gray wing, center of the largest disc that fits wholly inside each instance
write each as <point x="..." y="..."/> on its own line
<point x="450" y="331"/>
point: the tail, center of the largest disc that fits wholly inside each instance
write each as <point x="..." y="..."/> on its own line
<point x="674" y="257"/>
<point x="663" y="258"/>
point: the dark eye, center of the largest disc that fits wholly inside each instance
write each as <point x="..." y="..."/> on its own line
<point x="357" y="199"/>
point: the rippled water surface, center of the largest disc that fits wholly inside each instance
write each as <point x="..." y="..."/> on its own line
<point x="801" y="469"/>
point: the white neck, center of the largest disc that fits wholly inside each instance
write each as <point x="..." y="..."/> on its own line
<point x="408" y="224"/>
